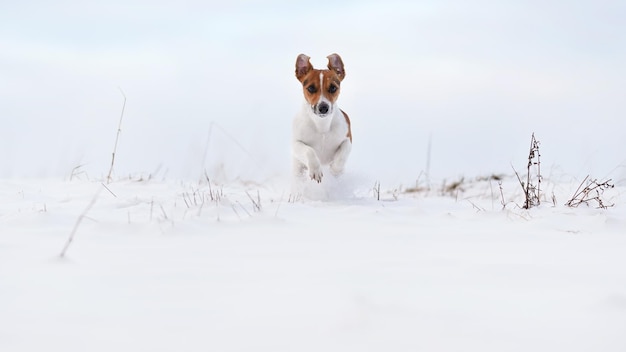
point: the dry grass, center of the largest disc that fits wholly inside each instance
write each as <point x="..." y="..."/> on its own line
<point x="532" y="186"/>
<point x="591" y="193"/>
<point x="117" y="137"/>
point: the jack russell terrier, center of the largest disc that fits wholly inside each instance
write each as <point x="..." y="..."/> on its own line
<point x="321" y="131"/>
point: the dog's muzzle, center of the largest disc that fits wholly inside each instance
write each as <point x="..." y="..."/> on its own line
<point x="321" y="109"/>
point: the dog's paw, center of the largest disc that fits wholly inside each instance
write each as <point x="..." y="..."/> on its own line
<point x="316" y="174"/>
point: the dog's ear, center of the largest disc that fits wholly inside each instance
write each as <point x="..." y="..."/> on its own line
<point x="303" y="66"/>
<point x="335" y="64"/>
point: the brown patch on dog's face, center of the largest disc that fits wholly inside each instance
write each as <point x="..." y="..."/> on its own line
<point x="320" y="83"/>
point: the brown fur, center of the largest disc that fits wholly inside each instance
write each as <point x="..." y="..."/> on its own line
<point x="312" y="79"/>
<point x="349" y="135"/>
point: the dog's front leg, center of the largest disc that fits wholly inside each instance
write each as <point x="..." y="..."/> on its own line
<point x="340" y="157"/>
<point x="307" y="156"/>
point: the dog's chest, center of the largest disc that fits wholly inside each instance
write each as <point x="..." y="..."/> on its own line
<point x="325" y="145"/>
<point x="324" y="141"/>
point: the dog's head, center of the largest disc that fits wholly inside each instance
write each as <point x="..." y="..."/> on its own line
<point x="320" y="87"/>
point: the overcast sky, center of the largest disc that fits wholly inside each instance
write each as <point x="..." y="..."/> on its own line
<point x="210" y="85"/>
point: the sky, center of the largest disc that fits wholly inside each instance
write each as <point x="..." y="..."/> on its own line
<point x="446" y="89"/>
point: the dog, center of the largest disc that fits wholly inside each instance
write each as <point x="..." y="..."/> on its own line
<point x="321" y="131"/>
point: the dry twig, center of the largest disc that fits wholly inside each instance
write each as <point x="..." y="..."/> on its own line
<point x="70" y="239"/>
<point x="117" y="137"/>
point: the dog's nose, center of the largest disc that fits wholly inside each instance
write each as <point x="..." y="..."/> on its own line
<point x="323" y="108"/>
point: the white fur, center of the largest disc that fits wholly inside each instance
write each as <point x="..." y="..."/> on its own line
<point x="320" y="141"/>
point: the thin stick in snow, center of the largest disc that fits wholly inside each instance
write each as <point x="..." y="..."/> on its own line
<point x="279" y="203"/>
<point x="256" y="203"/>
<point x="376" y="190"/>
<point x="164" y="213"/>
<point x="108" y="189"/>
<point x="244" y="209"/>
<point x="78" y="221"/>
<point x="117" y="137"/>
<point x="502" y="195"/>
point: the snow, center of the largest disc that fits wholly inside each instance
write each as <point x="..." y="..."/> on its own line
<point x="438" y="92"/>
<point x="152" y="269"/>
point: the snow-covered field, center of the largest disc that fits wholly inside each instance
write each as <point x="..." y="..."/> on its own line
<point x="438" y="92"/>
<point x="177" y="266"/>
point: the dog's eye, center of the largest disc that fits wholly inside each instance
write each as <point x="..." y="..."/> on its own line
<point x="332" y="88"/>
<point x="311" y="89"/>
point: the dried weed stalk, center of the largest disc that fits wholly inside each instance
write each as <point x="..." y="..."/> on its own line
<point x="453" y="189"/>
<point x="591" y="192"/>
<point x="532" y="186"/>
<point x="376" y="190"/>
<point x="502" y="201"/>
<point x="117" y="137"/>
<point x="80" y="218"/>
<point x="256" y="203"/>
